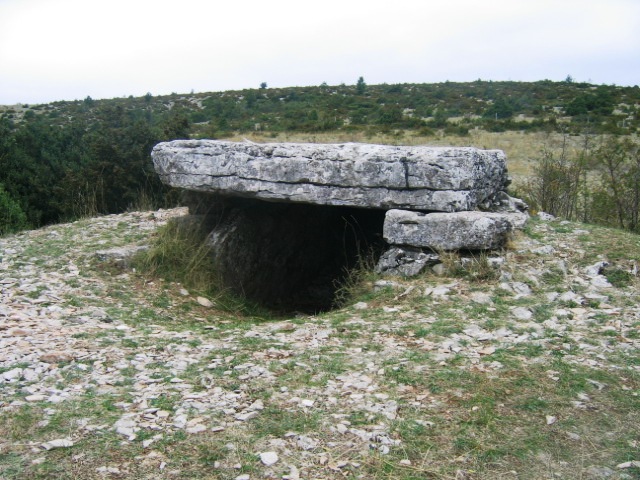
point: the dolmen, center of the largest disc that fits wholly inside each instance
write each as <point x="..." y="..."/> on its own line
<point x="288" y="219"/>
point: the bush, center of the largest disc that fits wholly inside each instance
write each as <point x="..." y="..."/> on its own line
<point x="12" y="218"/>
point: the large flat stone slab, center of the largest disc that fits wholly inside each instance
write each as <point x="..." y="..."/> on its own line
<point x="445" y="179"/>
<point x="450" y="231"/>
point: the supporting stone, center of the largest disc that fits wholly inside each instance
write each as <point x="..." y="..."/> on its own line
<point x="450" y="231"/>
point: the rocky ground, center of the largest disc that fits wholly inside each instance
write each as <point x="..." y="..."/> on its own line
<point x="523" y="365"/>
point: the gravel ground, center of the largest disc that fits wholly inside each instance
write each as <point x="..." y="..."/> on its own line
<point x="168" y="362"/>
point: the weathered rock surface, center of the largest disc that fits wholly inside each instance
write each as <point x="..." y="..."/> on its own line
<point x="405" y="261"/>
<point x="442" y="179"/>
<point x="450" y="231"/>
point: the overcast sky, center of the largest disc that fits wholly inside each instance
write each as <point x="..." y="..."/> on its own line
<point x="70" y="49"/>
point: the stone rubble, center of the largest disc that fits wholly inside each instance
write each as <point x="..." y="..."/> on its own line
<point x="51" y="306"/>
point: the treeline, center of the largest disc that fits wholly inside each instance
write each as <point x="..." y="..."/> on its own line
<point x="50" y="173"/>
<point x="454" y="108"/>
<point x="63" y="160"/>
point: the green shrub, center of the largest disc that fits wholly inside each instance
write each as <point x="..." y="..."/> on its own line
<point x="12" y="218"/>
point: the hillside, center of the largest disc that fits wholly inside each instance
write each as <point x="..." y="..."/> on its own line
<point x="454" y="107"/>
<point x="70" y="159"/>
<point x="529" y="370"/>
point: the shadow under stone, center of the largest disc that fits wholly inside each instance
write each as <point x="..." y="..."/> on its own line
<point x="285" y="256"/>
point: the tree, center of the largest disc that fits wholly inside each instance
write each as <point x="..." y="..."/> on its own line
<point x="360" y="86"/>
<point x="263" y="85"/>
<point x="12" y="218"/>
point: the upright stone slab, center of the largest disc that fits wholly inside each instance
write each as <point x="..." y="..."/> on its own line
<point x="444" y="179"/>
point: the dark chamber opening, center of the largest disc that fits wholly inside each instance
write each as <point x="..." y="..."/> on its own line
<point x="291" y="257"/>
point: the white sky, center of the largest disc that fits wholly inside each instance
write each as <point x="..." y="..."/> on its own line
<point x="69" y="49"/>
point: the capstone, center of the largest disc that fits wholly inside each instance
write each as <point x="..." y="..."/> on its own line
<point x="445" y="179"/>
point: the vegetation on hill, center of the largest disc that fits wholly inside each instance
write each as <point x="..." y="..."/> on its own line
<point x="67" y="159"/>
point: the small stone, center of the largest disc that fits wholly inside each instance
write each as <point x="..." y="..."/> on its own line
<point x="56" y="357"/>
<point x="246" y="416"/>
<point x="294" y="474"/>
<point x="205" y="302"/>
<point x="58" y="443"/>
<point x="632" y="463"/>
<point x="596" y="472"/>
<point x="522" y="313"/>
<point x="361" y="306"/>
<point x="307" y="402"/>
<point x="35" y="398"/>
<point x="269" y="458"/>
<point x="405" y="462"/>
<point x="196" y="428"/>
<point x="13" y="374"/>
<point x="481" y="298"/>
<point x="551" y="419"/>
<point x="487" y="351"/>
<point x="342" y="429"/>
<point x="18" y="332"/>
<point x="306" y="443"/>
<point x="439" y="269"/>
<point x="244" y="476"/>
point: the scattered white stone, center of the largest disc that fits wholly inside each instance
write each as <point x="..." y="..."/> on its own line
<point x="57" y="443"/>
<point x="632" y="463"/>
<point x="205" y="302"/>
<point x="294" y="474"/>
<point x="35" y="398"/>
<point x="269" y="458"/>
<point x="487" y="350"/>
<point x="13" y="374"/>
<point x="104" y="470"/>
<point x="596" y="268"/>
<point x="551" y="419"/>
<point x="197" y="428"/>
<point x="521" y="289"/>
<point x="522" y="313"/>
<point x="127" y="427"/>
<point x="306" y="443"/>
<point x="246" y="416"/>
<point x="481" y="298"/>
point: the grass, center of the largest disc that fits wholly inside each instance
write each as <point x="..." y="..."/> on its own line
<point x="479" y="411"/>
<point x="180" y="254"/>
